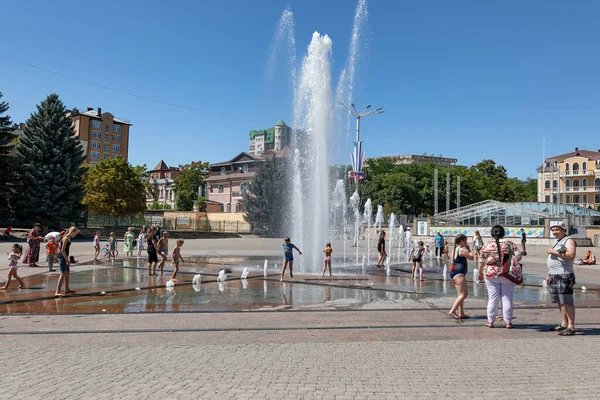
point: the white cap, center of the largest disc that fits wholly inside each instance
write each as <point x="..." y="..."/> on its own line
<point x="559" y="224"/>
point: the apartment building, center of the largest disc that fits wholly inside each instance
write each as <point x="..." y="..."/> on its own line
<point x="101" y="134"/>
<point x="571" y="178"/>
<point x="270" y="140"/>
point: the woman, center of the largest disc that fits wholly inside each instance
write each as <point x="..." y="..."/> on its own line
<point x="152" y="249"/>
<point x="477" y="245"/>
<point x="589" y="259"/>
<point x="495" y="253"/>
<point x="128" y="239"/>
<point x="381" y="249"/>
<point x="32" y="255"/>
<point x="64" y="262"/>
<point x="458" y="271"/>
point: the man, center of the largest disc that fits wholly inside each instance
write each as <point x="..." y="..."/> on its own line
<point x="561" y="277"/>
<point x="439" y="245"/>
<point x="523" y="241"/>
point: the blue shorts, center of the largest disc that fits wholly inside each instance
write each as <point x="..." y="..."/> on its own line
<point x="288" y="258"/>
<point x="64" y="268"/>
<point x="459" y="269"/>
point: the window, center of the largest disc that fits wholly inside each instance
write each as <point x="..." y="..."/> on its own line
<point x="95" y="155"/>
<point x="117" y="138"/>
<point x="237" y="207"/>
<point x="105" y="156"/>
<point x="223" y="171"/>
<point x="160" y="193"/>
<point x="568" y="184"/>
<point x="244" y="187"/>
<point x="114" y="155"/>
<point x="96" y="145"/>
<point x="575" y="184"/>
<point x="568" y="198"/>
<point x="597" y="184"/>
<point x="245" y="168"/>
<point x="221" y="189"/>
<point x="597" y="198"/>
<point x="585" y="199"/>
<point x="584" y="184"/>
<point x="567" y="172"/>
<point x="116" y="128"/>
<point x="584" y="167"/>
<point x="576" y="199"/>
<point x="228" y="208"/>
<point x="96" y="135"/>
<point x="97" y="124"/>
<point x="116" y="148"/>
<point x="106" y="139"/>
<point x="547" y="185"/>
<point x="106" y="148"/>
<point x="554" y="184"/>
<point x="107" y="128"/>
<point x="575" y="168"/>
<point x="547" y="199"/>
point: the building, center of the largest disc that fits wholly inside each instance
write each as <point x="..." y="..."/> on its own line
<point x="101" y="134"/>
<point x="162" y="178"/>
<point x="271" y="140"/>
<point x="422" y="159"/>
<point x="230" y="179"/>
<point x="571" y="178"/>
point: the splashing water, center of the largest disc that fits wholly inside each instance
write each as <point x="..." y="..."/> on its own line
<point x="368" y="219"/>
<point x="355" y="206"/>
<point x="392" y="227"/>
<point x="284" y="40"/>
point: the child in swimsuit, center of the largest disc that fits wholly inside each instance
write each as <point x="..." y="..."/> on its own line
<point x="112" y="245"/>
<point x="176" y="256"/>
<point x="13" y="259"/>
<point x="417" y="259"/>
<point x="288" y="257"/>
<point x="327" y="260"/>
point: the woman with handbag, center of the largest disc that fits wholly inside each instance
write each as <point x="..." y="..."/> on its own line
<point x="503" y="273"/>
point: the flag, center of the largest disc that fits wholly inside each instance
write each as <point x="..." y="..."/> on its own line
<point x="358" y="159"/>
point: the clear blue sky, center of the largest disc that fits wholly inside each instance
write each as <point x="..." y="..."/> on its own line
<point x="465" y="79"/>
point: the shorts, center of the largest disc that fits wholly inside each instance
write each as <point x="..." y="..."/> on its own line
<point x="152" y="257"/>
<point x="64" y="268"/>
<point x="97" y="247"/>
<point x="163" y="252"/>
<point x="561" y="288"/>
<point x="288" y="258"/>
<point x="459" y="269"/>
<point x="417" y="259"/>
<point x="15" y="267"/>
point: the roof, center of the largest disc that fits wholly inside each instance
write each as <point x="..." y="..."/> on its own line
<point x="285" y="152"/>
<point x="590" y="155"/>
<point x="94" y="114"/>
<point x="161" y="166"/>
<point x="269" y="134"/>
<point x="236" y="175"/>
<point x="242" y="157"/>
<point x="280" y="123"/>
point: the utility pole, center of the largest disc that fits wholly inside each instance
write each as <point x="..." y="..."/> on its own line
<point x="447" y="191"/>
<point x="435" y="191"/>
<point x="458" y="192"/>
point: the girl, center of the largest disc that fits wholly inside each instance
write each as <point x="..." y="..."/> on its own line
<point x="112" y="245"/>
<point x="288" y="257"/>
<point x="140" y="242"/>
<point x="446" y="250"/>
<point x="477" y="245"/>
<point x="381" y="249"/>
<point x="96" y="246"/>
<point x="327" y="260"/>
<point x="458" y="271"/>
<point x="176" y="256"/>
<point x="13" y="259"/>
<point x="64" y="263"/>
<point x="417" y="259"/>
<point x="163" y="250"/>
<point x="128" y="245"/>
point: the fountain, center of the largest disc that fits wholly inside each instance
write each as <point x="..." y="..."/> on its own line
<point x="354" y="205"/>
<point x="339" y="212"/>
<point x="400" y="241"/>
<point x="265" y="272"/>
<point x="368" y="216"/>
<point x="391" y="227"/>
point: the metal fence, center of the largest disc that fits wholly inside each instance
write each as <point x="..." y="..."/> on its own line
<point x="106" y="221"/>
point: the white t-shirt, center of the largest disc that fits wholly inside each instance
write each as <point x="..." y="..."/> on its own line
<point x="55" y="235"/>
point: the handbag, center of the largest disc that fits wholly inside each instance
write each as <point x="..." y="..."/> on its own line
<point x="508" y="269"/>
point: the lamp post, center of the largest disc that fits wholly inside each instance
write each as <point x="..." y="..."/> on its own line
<point x="357" y="157"/>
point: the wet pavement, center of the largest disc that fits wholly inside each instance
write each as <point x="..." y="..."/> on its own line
<point x="125" y="287"/>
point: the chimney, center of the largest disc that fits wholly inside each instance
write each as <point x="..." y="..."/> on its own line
<point x="99" y="111"/>
<point x="90" y="108"/>
<point x="576" y="149"/>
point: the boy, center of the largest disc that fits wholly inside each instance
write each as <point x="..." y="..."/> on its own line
<point x="288" y="257"/>
<point x="327" y="260"/>
<point x="51" y="253"/>
<point x="176" y="256"/>
<point x="163" y="250"/>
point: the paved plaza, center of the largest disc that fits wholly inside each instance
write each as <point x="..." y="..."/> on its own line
<point x="343" y="338"/>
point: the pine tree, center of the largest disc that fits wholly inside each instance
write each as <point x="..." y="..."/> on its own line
<point x="6" y="167"/>
<point x="50" y="161"/>
<point x="266" y="198"/>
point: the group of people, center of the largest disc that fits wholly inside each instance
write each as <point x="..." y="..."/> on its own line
<point x="501" y="260"/>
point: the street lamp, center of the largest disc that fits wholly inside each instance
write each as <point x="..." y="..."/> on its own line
<point x="358" y="155"/>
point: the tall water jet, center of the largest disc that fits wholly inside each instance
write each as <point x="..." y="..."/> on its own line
<point x="313" y="120"/>
<point x="355" y="206"/>
<point x="391" y="227"/>
<point x="400" y="241"/>
<point x="379" y="217"/>
<point x="368" y="218"/>
<point x="284" y="40"/>
<point x="339" y="212"/>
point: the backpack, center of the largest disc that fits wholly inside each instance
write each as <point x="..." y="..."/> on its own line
<point x="510" y="271"/>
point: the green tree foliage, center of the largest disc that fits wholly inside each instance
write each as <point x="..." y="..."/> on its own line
<point x="6" y="166"/>
<point x="409" y="188"/>
<point x="266" y="198"/>
<point x="190" y="178"/>
<point x="114" y="187"/>
<point x="50" y="158"/>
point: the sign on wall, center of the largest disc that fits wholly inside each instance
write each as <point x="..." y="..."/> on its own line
<point x="511" y="231"/>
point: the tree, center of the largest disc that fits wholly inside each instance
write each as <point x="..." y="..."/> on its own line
<point x="50" y="158"/>
<point x="116" y="188"/>
<point x="190" y="178"/>
<point x="266" y="198"/>
<point x="6" y="139"/>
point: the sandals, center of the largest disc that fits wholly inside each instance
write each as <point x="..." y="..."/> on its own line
<point x="567" y="332"/>
<point x="509" y="326"/>
<point x="490" y="324"/>
<point x="558" y="328"/>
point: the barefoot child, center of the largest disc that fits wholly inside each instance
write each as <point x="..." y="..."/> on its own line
<point x="51" y="252"/>
<point x="327" y="260"/>
<point x="417" y="258"/>
<point x="112" y="245"/>
<point x="96" y="246"/>
<point x="163" y="250"/>
<point x="176" y="256"/>
<point x="13" y="258"/>
<point x="446" y="255"/>
<point x="288" y="254"/>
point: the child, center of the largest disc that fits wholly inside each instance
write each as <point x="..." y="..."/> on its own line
<point x="96" y="246"/>
<point x="327" y="260"/>
<point x="176" y="256"/>
<point x="112" y="245"/>
<point x="140" y="242"/>
<point x="13" y="259"/>
<point x="163" y="250"/>
<point x="288" y="255"/>
<point x="446" y="255"/>
<point x="51" y="252"/>
<point x="417" y="255"/>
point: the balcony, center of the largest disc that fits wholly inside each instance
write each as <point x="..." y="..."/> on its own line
<point x="237" y="195"/>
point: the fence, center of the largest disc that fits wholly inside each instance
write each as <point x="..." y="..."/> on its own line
<point x="106" y="221"/>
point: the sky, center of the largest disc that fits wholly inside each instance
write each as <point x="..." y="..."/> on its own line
<point x="463" y="79"/>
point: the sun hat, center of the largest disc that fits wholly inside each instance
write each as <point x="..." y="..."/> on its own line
<point x="559" y="224"/>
